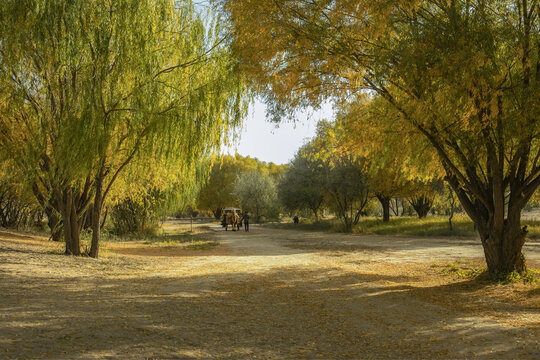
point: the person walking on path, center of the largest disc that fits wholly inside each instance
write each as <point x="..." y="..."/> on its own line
<point x="245" y="219"/>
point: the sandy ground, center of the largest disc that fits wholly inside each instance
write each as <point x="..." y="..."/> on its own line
<point x="266" y="294"/>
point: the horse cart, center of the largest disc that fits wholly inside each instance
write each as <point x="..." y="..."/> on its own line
<point x="232" y="217"/>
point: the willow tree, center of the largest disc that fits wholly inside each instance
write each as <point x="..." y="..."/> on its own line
<point x="465" y="74"/>
<point x="94" y="88"/>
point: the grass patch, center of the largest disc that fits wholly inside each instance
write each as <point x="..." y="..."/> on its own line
<point x="58" y="251"/>
<point x="430" y="226"/>
<point x="182" y="237"/>
<point x="471" y="271"/>
<point x="530" y="277"/>
<point x="174" y="240"/>
<point x="178" y="236"/>
<point x="202" y="245"/>
<point x="306" y="225"/>
<point x="464" y="271"/>
<point x="462" y="226"/>
<point x="533" y="227"/>
<point x="188" y="240"/>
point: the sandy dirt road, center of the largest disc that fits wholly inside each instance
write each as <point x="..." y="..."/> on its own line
<point x="266" y="294"/>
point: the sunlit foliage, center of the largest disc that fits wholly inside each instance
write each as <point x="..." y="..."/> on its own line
<point x="463" y="76"/>
<point x="93" y="89"/>
<point x="218" y="191"/>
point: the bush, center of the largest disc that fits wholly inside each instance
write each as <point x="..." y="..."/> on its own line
<point x="16" y="209"/>
<point x="132" y="216"/>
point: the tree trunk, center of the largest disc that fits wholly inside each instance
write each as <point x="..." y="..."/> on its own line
<point x="502" y="249"/>
<point x="385" y="203"/>
<point x="502" y="238"/>
<point x="395" y="206"/>
<point x="452" y="202"/>
<point x="51" y="208"/>
<point x="347" y="221"/>
<point x="71" y="223"/>
<point x="316" y="214"/>
<point x="96" y="218"/>
<point x="55" y="223"/>
<point x="421" y="204"/>
<point x="104" y="220"/>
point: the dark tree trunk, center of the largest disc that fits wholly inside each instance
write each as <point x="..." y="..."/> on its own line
<point x="217" y="213"/>
<point x="502" y="238"/>
<point x="55" y="223"/>
<point x="385" y="203"/>
<point x="315" y="210"/>
<point x="51" y="209"/>
<point x="421" y="204"/>
<point x="70" y="220"/>
<point x="86" y="220"/>
<point x="452" y="202"/>
<point x="315" y="206"/>
<point x="104" y="220"/>
<point x="502" y="249"/>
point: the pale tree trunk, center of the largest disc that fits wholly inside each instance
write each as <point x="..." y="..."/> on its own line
<point x="394" y="206"/>
<point x="96" y="217"/>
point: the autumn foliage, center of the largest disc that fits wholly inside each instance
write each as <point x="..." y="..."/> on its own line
<point x="462" y="77"/>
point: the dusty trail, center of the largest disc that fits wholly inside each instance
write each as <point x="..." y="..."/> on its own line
<point x="267" y="294"/>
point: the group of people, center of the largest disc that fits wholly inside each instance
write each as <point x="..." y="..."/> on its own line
<point x="243" y="219"/>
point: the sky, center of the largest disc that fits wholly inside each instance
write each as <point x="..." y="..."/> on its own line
<point x="263" y="140"/>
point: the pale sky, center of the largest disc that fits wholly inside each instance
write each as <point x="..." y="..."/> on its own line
<point x="263" y="140"/>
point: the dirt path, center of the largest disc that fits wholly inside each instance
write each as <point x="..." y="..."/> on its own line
<point x="267" y="294"/>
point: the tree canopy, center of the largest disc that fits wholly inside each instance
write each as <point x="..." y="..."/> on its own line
<point x="93" y="89"/>
<point x="303" y="184"/>
<point x="257" y="194"/>
<point x="218" y="191"/>
<point x="462" y="74"/>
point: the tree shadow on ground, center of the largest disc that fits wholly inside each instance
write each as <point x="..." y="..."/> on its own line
<point x="287" y="313"/>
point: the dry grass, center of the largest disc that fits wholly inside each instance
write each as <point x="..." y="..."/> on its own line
<point x="259" y="295"/>
<point x="462" y="226"/>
